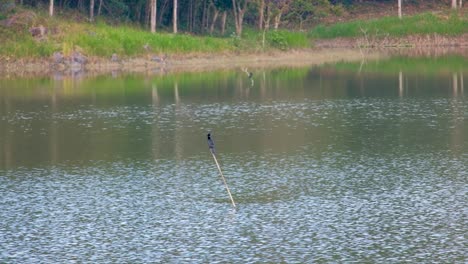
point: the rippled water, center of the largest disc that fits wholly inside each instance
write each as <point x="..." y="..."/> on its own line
<point x="319" y="177"/>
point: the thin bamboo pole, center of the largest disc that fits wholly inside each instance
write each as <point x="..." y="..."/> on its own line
<point x="224" y="179"/>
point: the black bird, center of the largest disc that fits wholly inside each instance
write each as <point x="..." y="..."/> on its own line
<point x="211" y="144"/>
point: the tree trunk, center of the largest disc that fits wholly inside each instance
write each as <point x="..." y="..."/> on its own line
<point x="204" y="17"/>
<point x="399" y="9"/>
<point x="454" y="4"/>
<point x="195" y="15"/>
<point x="147" y="18"/>
<point x="278" y="20"/>
<point x="241" y="19"/>
<point x="138" y="13"/>
<point x="206" y="26"/>
<point x="239" y="15"/>
<point x="100" y="7"/>
<point x="268" y="18"/>
<point x="153" y="15"/>
<point x="91" y="10"/>
<point x="189" y="16"/>
<point x="215" y="17"/>
<point x="223" y="23"/>
<point x="162" y="11"/>
<point x="261" y="12"/>
<point x="174" y="17"/>
<point x="234" y="10"/>
<point x="51" y="8"/>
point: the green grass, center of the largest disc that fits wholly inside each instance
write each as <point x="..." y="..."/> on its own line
<point x="410" y="65"/>
<point x="99" y="39"/>
<point x="281" y="39"/>
<point x="102" y="40"/>
<point x="24" y="46"/>
<point x="284" y="40"/>
<point x="425" y="23"/>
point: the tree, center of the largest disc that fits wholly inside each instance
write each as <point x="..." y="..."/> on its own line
<point x="399" y="9"/>
<point x="278" y="8"/>
<point x="219" y="6"/>
<point x="239" y="7"/>
<point x="91" y="10"/>
<point x="454" y="4"/>
<point x="303" y="10"/>
<point x="223" y="22"/>
<point x="274" y="9"/>
<point x="100" y="7"/>
<point x="215" y="17"/>
<point x="153" y="15"/>
<point x="261" y="14"/>
<point x="51" y="8"/>
<point x="174" y="17"/>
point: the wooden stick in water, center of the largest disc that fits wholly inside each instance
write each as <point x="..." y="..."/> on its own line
<point x="211" y="146"/>
<point x="224" y="180"/>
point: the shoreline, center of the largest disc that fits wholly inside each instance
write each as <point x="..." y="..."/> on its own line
<point x="325" y="51"/>
<point x="184" y="63"/>
<point x="428" y="41"/>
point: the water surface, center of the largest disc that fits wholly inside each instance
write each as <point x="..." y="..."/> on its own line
<point x="339" y="163"/>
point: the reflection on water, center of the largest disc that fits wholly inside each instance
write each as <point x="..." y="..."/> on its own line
<point x="327" y="165"/>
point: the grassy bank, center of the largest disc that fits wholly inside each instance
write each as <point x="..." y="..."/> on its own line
<point x="102" y="40"/>
<point x="421" y="24"/>
<point x="66" y="34"/>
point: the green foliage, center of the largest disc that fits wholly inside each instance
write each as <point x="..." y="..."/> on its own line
<point x="277" y="40"/>
<point x="337" y="10"/>
<point x="6" y="7"/>
<point x="301" y="11"/>
<point x="407" y="64"/>
<point x="249" y="41"/>
<point x="284" y="40"/>
<point x="426" y="23"/>
<point x="28" y="48"/>
<point x="252" y="40"/>
<point x="104" y="40"/>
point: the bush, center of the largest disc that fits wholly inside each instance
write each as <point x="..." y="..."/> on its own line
<point x="284" y="40"/>
<point x="277" y="40"/>
<point x="6" y="7"/>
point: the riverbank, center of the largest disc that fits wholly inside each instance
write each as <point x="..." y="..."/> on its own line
<point x="34" y="44"/>
<point x="185" y="63"/>
<point x="326" y="52"/>
<point x="429" y="41"/>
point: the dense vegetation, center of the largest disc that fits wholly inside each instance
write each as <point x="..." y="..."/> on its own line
<point x="124" y="27"/>
<point x="425" y="23"/>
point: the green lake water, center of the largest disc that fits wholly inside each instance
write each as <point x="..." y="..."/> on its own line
<point x="350" y="162"/>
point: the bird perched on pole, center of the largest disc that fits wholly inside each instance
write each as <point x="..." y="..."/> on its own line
<point x="211" y="144"/>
